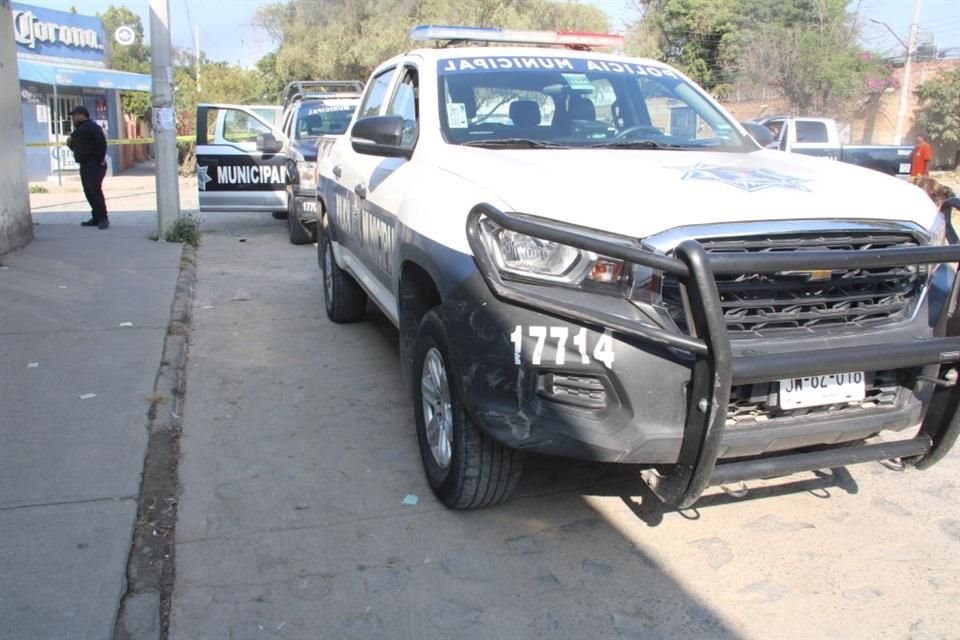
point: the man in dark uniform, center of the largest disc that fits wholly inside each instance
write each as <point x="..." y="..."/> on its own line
<point x="89" y="147"/>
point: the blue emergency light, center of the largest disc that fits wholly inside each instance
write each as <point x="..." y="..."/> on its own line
<point x="573" y="39"/>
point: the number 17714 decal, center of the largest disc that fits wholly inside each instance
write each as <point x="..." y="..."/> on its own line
<point x="602" y="350"/>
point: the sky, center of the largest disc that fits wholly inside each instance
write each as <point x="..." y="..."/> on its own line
<point x="227" y="33"/>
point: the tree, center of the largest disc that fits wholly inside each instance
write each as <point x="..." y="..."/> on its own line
<point x="940" y="108"/>
<point x="805" y="49"/>
<point x="346" y="39"/>
<point x="134" y="57"/>
<point x="689" y="34"/>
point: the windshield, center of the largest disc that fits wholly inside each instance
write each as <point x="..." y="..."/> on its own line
<point x="574" y="102"/>
<point x="324" y="117"/>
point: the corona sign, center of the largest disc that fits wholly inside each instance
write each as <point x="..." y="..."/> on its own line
<point x="44" y="34"/>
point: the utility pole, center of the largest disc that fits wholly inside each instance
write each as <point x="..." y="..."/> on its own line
<point x="905" y="88"/>
<point x="164" y="120"/>
<point x="197" y="47"/>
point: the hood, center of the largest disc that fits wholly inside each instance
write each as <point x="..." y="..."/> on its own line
<point x="306" y="147"/>
<point x="642" y="192"/>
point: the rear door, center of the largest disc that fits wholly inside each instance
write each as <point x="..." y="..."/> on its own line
<point x="362" y="235"/>
<point x="234" y="172"/>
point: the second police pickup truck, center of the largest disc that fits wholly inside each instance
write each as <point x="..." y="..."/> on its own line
<point x="248" y="162"/>
<point x="587" y="257"/>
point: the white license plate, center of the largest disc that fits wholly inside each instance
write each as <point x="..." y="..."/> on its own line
<point x="814" y="391"/>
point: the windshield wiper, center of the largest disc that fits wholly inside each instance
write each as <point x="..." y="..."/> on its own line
<point x="514" y="143"/>
<point x="637" y="144"/>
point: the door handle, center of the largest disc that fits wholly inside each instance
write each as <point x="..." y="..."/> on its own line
<point x="360" y="190"/>
<point x="337" y="171"/>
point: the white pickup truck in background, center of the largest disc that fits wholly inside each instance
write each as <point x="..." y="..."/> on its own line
<point x="820" y="137"/>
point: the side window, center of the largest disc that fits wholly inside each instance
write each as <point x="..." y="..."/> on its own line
<point x="241" y="127"/>
<point x="376" y="95"/>
<point x="213" y="117"/>
<point x="405" y="103"/>
<point x="811" y="131"/>
<point x="776" y="127"/>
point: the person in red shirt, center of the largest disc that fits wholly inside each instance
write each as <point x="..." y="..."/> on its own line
<point x="920" y="160"/>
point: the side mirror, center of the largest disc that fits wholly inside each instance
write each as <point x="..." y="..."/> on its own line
<point x="759" y="132"/>
<point x="267" y="143"/>
<point x="379" y="136"/>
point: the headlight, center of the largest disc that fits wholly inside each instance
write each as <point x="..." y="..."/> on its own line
<point x="527" y="257"/>
<point x="646" y="284"/>
<point x="305" y="169"/>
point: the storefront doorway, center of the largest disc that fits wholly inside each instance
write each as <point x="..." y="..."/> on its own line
<point x="61" y="158"/>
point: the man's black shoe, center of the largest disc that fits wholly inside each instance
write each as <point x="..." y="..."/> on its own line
<point x="104" y="224"/>
<point x="92" y="222"/>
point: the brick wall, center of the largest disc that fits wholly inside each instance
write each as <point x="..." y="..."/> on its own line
<point x="16" y="224"/>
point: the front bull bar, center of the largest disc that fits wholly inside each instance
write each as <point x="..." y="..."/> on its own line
<point x="715" y="369"/>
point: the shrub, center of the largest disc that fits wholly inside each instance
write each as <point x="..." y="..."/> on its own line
<point x="186" y="229"/>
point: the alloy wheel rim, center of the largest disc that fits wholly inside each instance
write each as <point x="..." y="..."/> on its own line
<point x="437" y="409"/>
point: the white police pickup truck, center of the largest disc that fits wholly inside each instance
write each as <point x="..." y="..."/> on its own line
<point x="587" y="257"/>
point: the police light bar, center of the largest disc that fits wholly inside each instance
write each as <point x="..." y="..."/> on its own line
<point x="574" y="39"/>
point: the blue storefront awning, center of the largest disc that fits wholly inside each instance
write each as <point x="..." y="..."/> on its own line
<point x="77" y="76"/>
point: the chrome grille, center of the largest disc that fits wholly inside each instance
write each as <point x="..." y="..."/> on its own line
<point x="756" y="404"/>
<point x="810" y="301"/>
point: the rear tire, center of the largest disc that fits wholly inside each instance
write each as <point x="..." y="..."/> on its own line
<point x="344" y="299"/>
<point x="466" y="468"/>
<point x="299" y="232"/>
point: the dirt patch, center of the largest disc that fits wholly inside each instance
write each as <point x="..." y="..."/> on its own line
<point x="151" y="564"/>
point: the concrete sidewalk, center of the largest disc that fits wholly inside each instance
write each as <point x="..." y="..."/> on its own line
<point x="83" y="318"/>
<point x="134" y="191"/>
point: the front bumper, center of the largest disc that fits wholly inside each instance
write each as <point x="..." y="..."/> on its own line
<point x="664" y="401"/>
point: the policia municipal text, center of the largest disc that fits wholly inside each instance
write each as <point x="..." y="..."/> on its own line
<point x="89" y="146"/>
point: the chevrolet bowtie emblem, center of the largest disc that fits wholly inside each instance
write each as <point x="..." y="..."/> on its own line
<point x="813" y="275"/>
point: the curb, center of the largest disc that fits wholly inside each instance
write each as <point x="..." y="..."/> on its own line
<point x="144" y="612"/>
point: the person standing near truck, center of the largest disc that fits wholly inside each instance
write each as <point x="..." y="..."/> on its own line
<point x="920" y="160"/>
<point x="89" y="146"/>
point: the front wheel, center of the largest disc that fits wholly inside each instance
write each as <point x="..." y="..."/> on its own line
<point x="299" y="232"/>
<point x="465" y="467"/>
<point x="343" y="298"/>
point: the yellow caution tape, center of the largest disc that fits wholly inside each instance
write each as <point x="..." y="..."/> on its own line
<point x="113" y="142"/>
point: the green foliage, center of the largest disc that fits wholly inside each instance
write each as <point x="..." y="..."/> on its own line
<point x="690" y="34"/>
<point x="808" y="52"/>
<point x="940" y="106"/>
<point x="346" y="39"/>
<point x="134" y="57"/>
<point x="38" y="188"/>
<point x="185" y="229"/>
<point x="806" y="49"/>
<point x="218" y="82"/>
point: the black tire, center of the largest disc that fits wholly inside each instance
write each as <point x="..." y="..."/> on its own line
<point x="344" y="299"/>
<point x="299" y="233"/>
<point x="479" y="471"/>
<point x="279" y="215"/>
